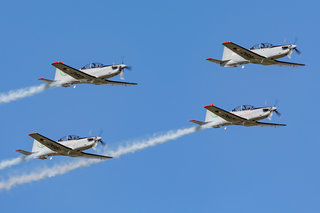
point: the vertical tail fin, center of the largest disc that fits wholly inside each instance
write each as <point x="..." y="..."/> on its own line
<point x="209" y="116"/>
<point x="37" y="146"/>
<point x="59" y="74"/>
<point x="227" y="54"/>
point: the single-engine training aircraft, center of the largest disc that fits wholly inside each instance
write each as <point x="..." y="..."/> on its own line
<point x="70" y="145"/>
<point x="93" y="73"/>
<point x="244" y="115"/>
<point x="263" y="53"/>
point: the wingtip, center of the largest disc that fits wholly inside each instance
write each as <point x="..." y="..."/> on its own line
<point x="191" y="120"/>
<point x="209" y="105"/>
<point x="40" y="79"/>
<point x="57" y="62"/>
<point x="18" y="150"/>
<point x="227" y="42"/>
<point x="208" y="59"/>
<point x="33" y="133"/>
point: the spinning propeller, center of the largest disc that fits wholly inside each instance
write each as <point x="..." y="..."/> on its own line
<point x="97" y="139"/>
<point x="121" y="68"/>
<point x="273" y="109"/>
<point x="293" y="47"/>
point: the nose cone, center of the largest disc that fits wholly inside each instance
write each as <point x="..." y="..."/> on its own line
<point x="293" y="46"/>
<point x="98" y="138"/>
<point x="273" y="109"/>
<point x="122" y="66"/>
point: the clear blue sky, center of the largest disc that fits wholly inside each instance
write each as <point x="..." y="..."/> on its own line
<point x="166" y="42"/>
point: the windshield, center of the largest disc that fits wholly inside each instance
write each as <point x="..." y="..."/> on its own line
<point x="242" y="108"/>
<point x="92" y="65"/>
<point x="69" y="137"/>
<point x="261" y="46"/>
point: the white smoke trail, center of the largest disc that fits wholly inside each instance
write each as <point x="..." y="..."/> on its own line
<point x="28" y="91"/>
<point x="8" y="163"/>
<point x="22" y="93"/>
<point x="121" y="150"/>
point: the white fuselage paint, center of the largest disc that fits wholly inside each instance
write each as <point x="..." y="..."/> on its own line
<point x="251" y="115"/>
<point x="106" y="72"/>
<point x="270" y="53"/>
<point x="76" y="146"/>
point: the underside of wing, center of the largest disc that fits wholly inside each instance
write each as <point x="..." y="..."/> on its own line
<point x="77" y="74"/>
<point x="88" y="155"/>
<point x="225" y="115"/>
<point x="54" y="146"/>
<point x="266" y="124"/>
<point x="244" y="53"/>
<point x="283" y="63"/>
<point x="115" y="82"/>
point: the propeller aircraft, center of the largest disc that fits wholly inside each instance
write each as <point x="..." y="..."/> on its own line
<point x="244" y="115"/>
<point x="263" y="53"/>
<point x="70" y="145"/>
<point x="93" y="73"/>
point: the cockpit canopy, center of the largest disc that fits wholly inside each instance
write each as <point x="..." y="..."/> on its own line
<point x="261" y="46"/>
<point x="243" y="108"/>
<point x="92" y="65"/>
<point x="69" y="138"/>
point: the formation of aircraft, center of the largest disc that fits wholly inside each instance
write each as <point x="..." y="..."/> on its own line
<point x="70" y="145"/>
<point x="93" y="73"/>
<point x="263" y="53"/>
<point x="97" y="73"/>
<point x="244" y="115"/>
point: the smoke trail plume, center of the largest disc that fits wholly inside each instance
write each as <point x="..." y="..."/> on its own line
<point x="22" y="93"/>
<point x="121" y="150"/>
<point x="8" y="163"/>
<point x="28" y="91"/>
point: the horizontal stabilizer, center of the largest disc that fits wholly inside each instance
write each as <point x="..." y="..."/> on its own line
<point x="198" y="122"/>
<point x="46" y="80"/>
<point x="24" y="152"/>
<point x="222" y="63"/>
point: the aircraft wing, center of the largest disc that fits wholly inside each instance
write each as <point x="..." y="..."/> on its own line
<point x="77" y="74"/>
<point x="118" y="83"/>
<point x="267" y="124"/>
<point x="243" y="52"/>
<point x="88" y="155"/>
<point x="225" y="115"/>
<point x="54" y="146"/>
<point x="283" y="63"/>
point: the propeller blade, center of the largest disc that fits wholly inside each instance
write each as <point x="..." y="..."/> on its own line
<point x="122" y="75"/>
<point x="103" y="143"/>
<point x="278" y="113"/>
<point x="298" y="51"/>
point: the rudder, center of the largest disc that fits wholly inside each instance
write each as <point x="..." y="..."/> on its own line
<point x="37" y="146"/>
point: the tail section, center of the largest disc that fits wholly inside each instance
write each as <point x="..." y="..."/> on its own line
<point x="59" y="74"/>
<point x="37" y="146"/>
<point x="48" y="81"/>
<point x="221" y="63"/>
<point x="210" y="116"/>
<point x="198" y="122"/>
<point x="227" y="54"/>
<point x="24" y="152"/>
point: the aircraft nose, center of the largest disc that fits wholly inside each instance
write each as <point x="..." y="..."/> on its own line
<point x="293" y="46"/>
